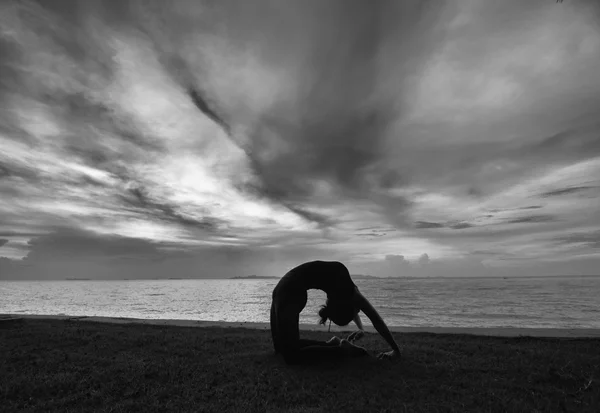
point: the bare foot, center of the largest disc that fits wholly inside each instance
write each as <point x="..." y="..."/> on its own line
<point x="390" y="355"/>
<point x="355" y="336"/>
<point x="334" y="340"/>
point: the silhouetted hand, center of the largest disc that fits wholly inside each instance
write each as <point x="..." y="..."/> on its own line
<point x="335" y="339"/>
<point x="389" y="355"/>
<point x="357" y="335"/>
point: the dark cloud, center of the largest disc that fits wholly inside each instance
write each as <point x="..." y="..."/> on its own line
<point x="140" y="198"/>
<point x="321" y="219"/>
<point x="396" y="259"/>
<point x="9" y="76"/>
<point x="20" y="172"/>
<point x="377" y="229"/>
<point x="489" y="253"/>
<point x="292" y="201"/>
<point x="591" y="239"/>
<point x="461" y="225"/>
<point x="332" y="127"/>
<point x="532" y="219"/>
<point x="566" y="191"/>
<point x="371" y="235"/>
<point x="71" y="242"/>
<point x="427" y="225"/>
<point x="68" y="253"/>
<point x="205" y="108"/>
<point x="424" y="259"/>
<point x="431" y="225"/>
<point x="21" y="233"/>
<point x="4" y="171"/>
<point x="2" y="242"/>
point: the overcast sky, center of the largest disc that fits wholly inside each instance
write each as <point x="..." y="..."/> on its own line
<point x="221" y="138"/>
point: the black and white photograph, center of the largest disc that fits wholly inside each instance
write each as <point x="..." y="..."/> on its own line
<point x="299" y="206"/>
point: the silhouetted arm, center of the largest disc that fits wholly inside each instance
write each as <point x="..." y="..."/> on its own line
<point x="358" y="322"/>
<point x="357" y="335"/>
<point x="378" y="323"/>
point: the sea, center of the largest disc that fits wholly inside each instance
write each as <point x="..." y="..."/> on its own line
<point x="525" y="302"/>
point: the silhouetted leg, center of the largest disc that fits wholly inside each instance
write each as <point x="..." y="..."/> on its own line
<point x="274" y="333"/>
<point x="295" y="350"/>
<point x="289" y="336"/>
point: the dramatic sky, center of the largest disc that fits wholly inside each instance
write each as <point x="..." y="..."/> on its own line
<point x="221" y="138"/>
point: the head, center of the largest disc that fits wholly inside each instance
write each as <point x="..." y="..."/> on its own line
<point x="340" y="310"/>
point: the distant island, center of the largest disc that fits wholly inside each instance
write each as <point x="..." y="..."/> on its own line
<point x="363" y="276"/>
<point x="76" y="279"/>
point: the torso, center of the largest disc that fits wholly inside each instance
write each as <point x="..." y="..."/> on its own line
<point x="332" y="277"/>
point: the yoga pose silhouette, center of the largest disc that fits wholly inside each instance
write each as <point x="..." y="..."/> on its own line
<point x="344" y="302"/>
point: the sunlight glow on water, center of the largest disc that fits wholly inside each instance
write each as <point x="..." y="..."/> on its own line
<point x="526" y="302"/>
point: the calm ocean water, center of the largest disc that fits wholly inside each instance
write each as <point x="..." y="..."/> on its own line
<point x="558" y="302"/>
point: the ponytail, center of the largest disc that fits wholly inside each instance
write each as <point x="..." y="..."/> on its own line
<point x="324" y="314"/>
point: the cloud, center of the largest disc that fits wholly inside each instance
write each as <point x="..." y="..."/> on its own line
<point x="461" y="225"/>
<point x="588" y="238"/>
<point x="397" y="266"/>
<point x="164" y="211"/>
<point x="328" y="120"/>
<point x="296" y="126"/>
<point x="477" y="265"/>
<point x="566" y="191"/>
<point x="68" y="253"/>
<point x="392" y="265"/>
<point x="532" y="219"/>
<point x="204" y="107"/>
<point x="426" y="225"/>
<point x="3" y="242"/>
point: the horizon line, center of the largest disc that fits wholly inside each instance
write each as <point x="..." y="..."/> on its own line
<point x="277" y="278"/>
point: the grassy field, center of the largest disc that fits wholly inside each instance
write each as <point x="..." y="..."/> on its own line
<point x="76" y="366"/>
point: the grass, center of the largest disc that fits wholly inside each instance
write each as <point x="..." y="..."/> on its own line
<point x="78" y="366"/>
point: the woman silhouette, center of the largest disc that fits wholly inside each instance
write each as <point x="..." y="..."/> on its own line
<point x="344" y="302"/>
